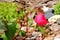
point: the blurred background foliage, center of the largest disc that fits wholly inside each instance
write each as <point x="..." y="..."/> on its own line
<point x="57" y="8"/>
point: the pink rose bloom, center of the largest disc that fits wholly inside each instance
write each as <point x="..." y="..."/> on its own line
<point x="41" y="20"/>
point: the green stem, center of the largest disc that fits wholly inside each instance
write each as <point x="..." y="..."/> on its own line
<point x="41" y="29"/>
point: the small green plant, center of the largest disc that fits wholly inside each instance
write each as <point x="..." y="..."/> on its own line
<point x="9" y="15"/>
<point x="57" y="8"/>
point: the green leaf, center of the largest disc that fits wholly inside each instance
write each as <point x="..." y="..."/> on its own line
<point x="2" y="26"/>
<point x="22" y="33"/>
<point x="18" y="26"/>
<point x="4" y="36"/>
<point x="11" y="30"/>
